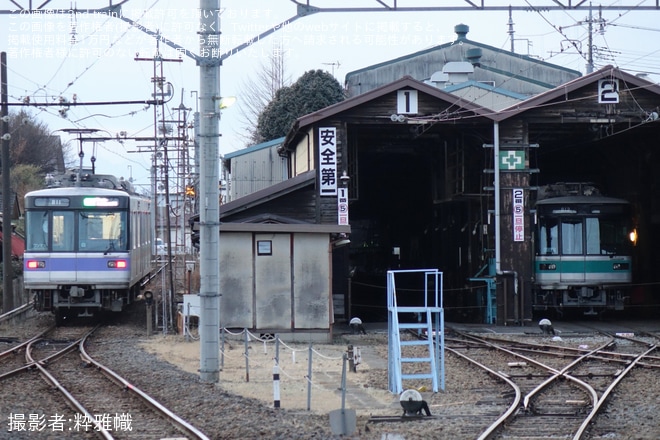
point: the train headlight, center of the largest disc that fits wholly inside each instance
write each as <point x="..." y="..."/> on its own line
<point x="117" y="264"/>
<point x="35" y="264"/>
<point x="633" y="236"/>
<point x="547" y="266"/>
<point x="620" y="266"/>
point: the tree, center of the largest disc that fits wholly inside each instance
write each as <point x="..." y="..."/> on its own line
<point x="32" y="143"/>
<point x="260" y="89"/>
<point x="24" y="178"/>
<point x="314" y="90"/>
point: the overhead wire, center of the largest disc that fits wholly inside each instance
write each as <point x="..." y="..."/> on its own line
<point x="110" y="46"/>
<point x="558" y="30"/>
<point x="518" y="74"/>
<point x="51" y="94"/>
<point x="580" y="39"/>
<point x="78" y="119"/>
<point x="154" y="3"/>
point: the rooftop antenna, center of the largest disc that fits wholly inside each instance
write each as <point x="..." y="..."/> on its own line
<point x="73" y="23"/>
<point x="336" y="63"/>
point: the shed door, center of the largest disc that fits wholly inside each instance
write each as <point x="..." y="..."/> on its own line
<point x="273" y="285"/>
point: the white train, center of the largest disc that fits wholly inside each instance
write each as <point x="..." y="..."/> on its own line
<point x="88" y="245"/>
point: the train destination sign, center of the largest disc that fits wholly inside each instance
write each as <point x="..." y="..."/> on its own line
<point x="51" y="201"/>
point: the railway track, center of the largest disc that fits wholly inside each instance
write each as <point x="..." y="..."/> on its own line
<point x="11" y="362"/>
<point x="32" y="418"/>
<point x="555" y="392"/>
<point x="18" y="312"/>
<point x="473" y="400"/>
<point x="468" y="419"/>
<point x="91" y="401"/>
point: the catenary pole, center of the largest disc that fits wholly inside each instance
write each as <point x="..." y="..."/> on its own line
<point x="209" y="209"/>
<point x="7" y="271"/>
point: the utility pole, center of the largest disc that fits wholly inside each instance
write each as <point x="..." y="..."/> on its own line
<point x="7" y="271"/>
<point x="161" y="90"/>
<point x="590" y="54"/>
<point x="511" y="31"/>
<point x="601" y="29"/>
<point x="209" y="209"/>
<point x="183" y="180"/>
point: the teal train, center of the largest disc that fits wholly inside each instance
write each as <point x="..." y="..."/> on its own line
<point x="583" y="250"/>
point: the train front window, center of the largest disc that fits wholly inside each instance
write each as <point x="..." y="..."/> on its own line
<point x="37" y="231"/>
<point x="102" y="231"/>
<point x="62" y="234"/>
<point x="593" y="236"/>
<point x="607" y="236"/>
<point x="571" y="237"/>
<point x="548" y="236"/>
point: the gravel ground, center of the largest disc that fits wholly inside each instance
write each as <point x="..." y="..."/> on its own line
<point x="238" y="415"/>
<point x="224" y="415"/>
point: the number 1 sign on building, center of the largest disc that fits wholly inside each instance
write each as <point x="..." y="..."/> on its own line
<point x="518" y="215"/>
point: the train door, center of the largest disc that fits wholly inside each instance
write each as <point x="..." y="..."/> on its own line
<point x="572" y="255"/>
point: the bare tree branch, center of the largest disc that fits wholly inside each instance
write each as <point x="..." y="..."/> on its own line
<point x="259" y="90"/>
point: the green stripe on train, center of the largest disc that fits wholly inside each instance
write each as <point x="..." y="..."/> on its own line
<point x="589" y="266"/>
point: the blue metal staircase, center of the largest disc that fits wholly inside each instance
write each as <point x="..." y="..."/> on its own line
<point x="429" y="315"/>
<point x="489" y="295"/>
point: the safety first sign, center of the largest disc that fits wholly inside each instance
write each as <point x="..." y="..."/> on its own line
<point x="328" y="161"/>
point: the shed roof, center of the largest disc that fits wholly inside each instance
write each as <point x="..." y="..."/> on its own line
<point x="253" y="148"/>
<point x="611" y="72"/>
<point x="471" y="42"/>
<point x="405" y="82"/>
<point x="519" y="73"/>
<point x="272" y="192"/>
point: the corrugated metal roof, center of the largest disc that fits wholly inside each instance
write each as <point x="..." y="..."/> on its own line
<point x="480" y="85"/>
<point x="464" y="41"/>
<point x="253" y="148"/>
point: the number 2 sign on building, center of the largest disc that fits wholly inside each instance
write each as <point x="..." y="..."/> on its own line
<point x="518" y="215"/>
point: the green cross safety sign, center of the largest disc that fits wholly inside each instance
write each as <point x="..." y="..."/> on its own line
<point x="512" y="160"/>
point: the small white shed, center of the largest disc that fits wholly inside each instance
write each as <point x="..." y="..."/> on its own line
<point x="277" y="278"/>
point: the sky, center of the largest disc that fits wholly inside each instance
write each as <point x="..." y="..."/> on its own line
<point x="93" y="58"/>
